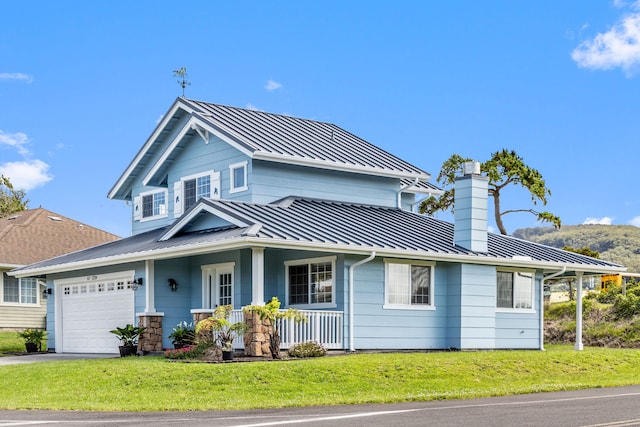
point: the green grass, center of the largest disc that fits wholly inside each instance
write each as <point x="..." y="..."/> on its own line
<point x="9" y="341"/>
<point x="155" y="384"/>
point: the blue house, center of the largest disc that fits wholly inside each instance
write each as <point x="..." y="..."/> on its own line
<point x="233" y="206"/>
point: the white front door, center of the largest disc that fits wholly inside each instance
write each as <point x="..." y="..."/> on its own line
<point x="217" y="284"/>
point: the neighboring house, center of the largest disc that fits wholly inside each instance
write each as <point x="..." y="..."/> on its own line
<point x="233" y="206"/>
<point x="27" y="237"/>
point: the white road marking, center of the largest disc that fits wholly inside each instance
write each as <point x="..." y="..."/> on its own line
<point x="617" y="423"/>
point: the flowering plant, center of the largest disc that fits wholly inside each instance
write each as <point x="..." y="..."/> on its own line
<point x="183" y="335"/>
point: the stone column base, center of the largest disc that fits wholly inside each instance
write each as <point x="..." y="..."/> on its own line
<point x="151" y="339"/>
<point x="256" y="339"/>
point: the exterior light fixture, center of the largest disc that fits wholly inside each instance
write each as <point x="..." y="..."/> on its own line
<point x="135" y="283"/>
<point x="173" y="285"/>
<point x="46" y="292"/>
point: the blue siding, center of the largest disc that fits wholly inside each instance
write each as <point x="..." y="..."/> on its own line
<point x="272" y="181"/>
<point x="195" y="157"/>
<point x="520" y="330"/>
<point x="378" y="328"/>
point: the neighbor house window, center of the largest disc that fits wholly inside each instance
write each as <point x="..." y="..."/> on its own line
<point x="154" y="204"/>
<point x="238" y="175"/>
<point x="311" y="282"/>
<point x="515" y="290"/>
<point x="408" y="284"/>
<point x="19" y="291"/>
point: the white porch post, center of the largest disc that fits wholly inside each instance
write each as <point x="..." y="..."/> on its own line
<point x="150" y="306"/>
<point x="257" y="276"/>
<point x="578" y="345"/>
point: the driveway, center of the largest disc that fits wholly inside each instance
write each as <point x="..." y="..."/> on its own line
<point x="51" y="357"/>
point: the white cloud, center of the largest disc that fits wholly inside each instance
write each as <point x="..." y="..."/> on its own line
<point x="635" y="221"/>
<point x="606" y="220"/>
<point x="26" y="175"/>
<point x="618" y="47"/>
<point x="272" y="85"/>
<point x="18" y="140"/>
<point x="16" y="76"/>
<point x="250" y="106"/>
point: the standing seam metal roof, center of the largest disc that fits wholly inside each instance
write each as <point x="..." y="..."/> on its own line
<point x="304" y="138"/>
<point x="361" y="227"/>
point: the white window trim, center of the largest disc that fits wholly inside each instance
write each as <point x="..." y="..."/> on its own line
<point x="213" y="270"/>
<point x="232" y="184"/>
<point x="533" y="291"/>
<point x="166" y="204"/>
<point x="419" y="307"/>
<point x="38" y="302"/>
<point x="322" y="305"/>
<point x="214" y="182"/>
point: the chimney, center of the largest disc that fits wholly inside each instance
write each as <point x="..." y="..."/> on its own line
<point x="470" y="207"/>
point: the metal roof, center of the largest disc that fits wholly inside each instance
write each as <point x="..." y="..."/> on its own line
<point x="321" y="225"/>
<point x="292" y="137"/>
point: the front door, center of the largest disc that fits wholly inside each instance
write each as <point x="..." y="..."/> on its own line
<point x="217" y="284"/>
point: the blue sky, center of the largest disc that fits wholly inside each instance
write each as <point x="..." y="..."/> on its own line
<point x="83" y="84"/>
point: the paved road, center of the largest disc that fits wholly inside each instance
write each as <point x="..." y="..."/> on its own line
<point x="607" y="407"/>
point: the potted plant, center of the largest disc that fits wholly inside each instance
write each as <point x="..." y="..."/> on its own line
<point x="32" y="339"/>
<point x="128" y="337"/>
<point x="223" y="330"/>
<point x="183" y="335"/>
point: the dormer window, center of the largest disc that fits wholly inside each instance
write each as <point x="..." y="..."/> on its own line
<point x="238" y="177"/>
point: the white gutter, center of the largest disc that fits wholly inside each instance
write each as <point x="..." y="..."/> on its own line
<point x="551" y="276"/>
<point x="351" y="268"/>
<point x="413" y="184"/>
<point x="243" y="242"/>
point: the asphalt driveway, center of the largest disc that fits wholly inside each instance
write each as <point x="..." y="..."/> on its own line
<point x="51" y="357"/>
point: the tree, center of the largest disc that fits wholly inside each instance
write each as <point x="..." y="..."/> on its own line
<point x="11" y="200"/>
<point x="503" y="169"/>
<point x="585" y="250"/>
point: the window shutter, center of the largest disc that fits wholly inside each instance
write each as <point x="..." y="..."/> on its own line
<point x="215" y="185"/>
<point x="137" y="208"/>
<point x="177" y="199"/>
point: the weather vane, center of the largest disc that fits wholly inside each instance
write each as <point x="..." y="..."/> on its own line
<point x="182" y="74"/>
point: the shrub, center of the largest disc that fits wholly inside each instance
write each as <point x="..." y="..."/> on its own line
<point x="196" y="351"/>
<point x="183" y="335"/>
<point x="625" y="307"/>
<point x="307" y="349"/>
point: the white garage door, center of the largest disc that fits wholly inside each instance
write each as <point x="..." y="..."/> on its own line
<point x="90" y="309"/>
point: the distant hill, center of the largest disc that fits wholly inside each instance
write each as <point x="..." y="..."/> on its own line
<point x="615" y="243"/>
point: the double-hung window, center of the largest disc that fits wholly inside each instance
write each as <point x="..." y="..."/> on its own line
<point x="238" y="177"/>
<point x="154" y="204"/>
<point x="195" y="189"/>
<point x="19" y="291"/>
<point x="515" y="290"/>
<point x="311" y="282"/>
<point x="408" y="285"/>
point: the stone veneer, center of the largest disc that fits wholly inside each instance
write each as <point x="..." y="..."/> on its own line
<point x="151" y="339"/>
<point x="256" y="339"/>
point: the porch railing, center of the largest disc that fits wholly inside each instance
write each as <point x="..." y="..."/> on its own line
<point x="324" y="327"/>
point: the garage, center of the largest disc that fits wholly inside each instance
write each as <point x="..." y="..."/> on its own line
<point x="88" y="308"/>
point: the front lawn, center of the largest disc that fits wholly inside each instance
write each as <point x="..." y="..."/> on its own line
<point x="155" y="384"/>
<point x="10" y="342"/>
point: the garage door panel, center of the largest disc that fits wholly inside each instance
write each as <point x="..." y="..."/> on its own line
<point x="90" y="311"/>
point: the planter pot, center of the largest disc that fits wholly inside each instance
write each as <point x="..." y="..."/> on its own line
<point x="31" y="347"/>
<point x="126" y="350"/>
<point x="227" y="355"/>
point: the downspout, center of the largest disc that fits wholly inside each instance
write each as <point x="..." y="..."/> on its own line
<point x="413" y="184"/>
<point x="551" y="276"/>
<point x="352" y="267"/>
<point x="417" y="202"/>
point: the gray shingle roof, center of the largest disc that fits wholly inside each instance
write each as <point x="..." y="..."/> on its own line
<point x="329" y="226"/>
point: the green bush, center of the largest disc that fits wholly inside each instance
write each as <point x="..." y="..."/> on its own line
<point x="307" y="349"/>
<point x="625" y="307"/>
